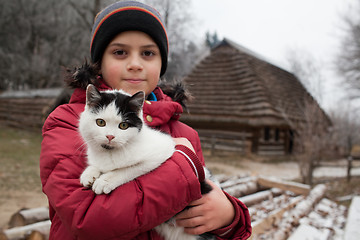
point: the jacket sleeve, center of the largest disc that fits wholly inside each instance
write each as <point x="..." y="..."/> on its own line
<point x="240" y="228"/>
<point x="129" y="210"/>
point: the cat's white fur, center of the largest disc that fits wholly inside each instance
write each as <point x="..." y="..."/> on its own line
<point x="134" y="154"/>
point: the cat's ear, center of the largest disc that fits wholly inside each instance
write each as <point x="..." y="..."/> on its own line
<point x="137" y="99"/>
<point x="92" y="95"/>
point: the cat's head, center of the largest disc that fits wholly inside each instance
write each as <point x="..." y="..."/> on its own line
<point x="111" y="119"/>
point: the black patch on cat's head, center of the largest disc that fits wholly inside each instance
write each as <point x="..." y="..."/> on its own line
<point x="97" y="100"/>
<point x="130" y="108"/>
<point x="136" y="101"/>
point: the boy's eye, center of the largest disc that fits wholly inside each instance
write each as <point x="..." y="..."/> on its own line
<point x="120" y="52"/>
<point x="148" y="53"/>
<point x="100" y="122"/>
<point x="123" y="125"/>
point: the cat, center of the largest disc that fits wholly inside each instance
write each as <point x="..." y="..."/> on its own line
<point x="112" y="127"/>
<point x="114" y="132"/>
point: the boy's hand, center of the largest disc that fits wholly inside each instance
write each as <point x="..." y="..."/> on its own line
<point x="212" y="211"/>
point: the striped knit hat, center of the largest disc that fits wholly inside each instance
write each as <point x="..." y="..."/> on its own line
<point x="128" y="16"/>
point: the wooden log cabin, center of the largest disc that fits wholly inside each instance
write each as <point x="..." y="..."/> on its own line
<point x="244" y="103"/>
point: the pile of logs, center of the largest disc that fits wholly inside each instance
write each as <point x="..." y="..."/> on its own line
<point x="279" y="210"/>
<point x="288" y="210"/>
<point x="29" y="224"/>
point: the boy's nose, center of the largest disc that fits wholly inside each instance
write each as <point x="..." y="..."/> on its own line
<point x="134" y="64"/>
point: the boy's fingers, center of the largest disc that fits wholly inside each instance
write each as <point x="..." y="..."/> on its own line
<point x="196" y="202"/>
<point x="188" y="213"/>
<point x="193" y="226"/>
<point x="189" y="222"/>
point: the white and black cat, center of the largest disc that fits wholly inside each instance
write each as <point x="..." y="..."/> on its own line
<point x="120" y="147"/>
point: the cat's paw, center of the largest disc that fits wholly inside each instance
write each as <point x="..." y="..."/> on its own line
<point x="102" y="185"/>
<point x="89" y="176"/>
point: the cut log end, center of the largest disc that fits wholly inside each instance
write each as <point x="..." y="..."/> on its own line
<point x="3" y="235"/>
<point x="35" y="235"/>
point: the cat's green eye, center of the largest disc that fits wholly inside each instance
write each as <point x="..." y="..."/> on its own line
<point x="100" y="122"/>
<point x="123" y="125"/>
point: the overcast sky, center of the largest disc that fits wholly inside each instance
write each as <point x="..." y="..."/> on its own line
<point x="273" y="27"/>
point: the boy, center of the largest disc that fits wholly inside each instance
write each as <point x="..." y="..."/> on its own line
<point x="130" y="45"/>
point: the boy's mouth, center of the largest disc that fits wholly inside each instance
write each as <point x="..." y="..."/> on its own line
<point x="134" y="80"/>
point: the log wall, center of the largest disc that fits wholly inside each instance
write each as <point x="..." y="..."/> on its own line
<point x="225" y="140"/>
<point x="244" y="142"/>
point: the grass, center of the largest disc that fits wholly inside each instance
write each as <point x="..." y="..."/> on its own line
<point x="19" y="157"/>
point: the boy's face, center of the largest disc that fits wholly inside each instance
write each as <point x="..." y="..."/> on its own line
<point x="132" y="62"/>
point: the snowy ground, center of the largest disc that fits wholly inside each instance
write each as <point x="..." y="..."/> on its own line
<point x="352" y="226"/>
<point x="335" y="172"/>
<point x="326" y="221"/>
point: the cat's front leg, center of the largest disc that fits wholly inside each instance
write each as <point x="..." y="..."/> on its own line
<point x="111" y="180"/>
<point x="105" y="183"/>
<point x="89" y="176"/>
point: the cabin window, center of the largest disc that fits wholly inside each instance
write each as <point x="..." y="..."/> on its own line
<point x="266" y="134"/>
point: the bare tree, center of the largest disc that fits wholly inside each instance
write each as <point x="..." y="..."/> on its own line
<point x="312" y="133"/>
<point x="309" y="71"/>
<point x="348" y="59"/>
<point x="315" y="140"/>
<point x="40" y="36"/>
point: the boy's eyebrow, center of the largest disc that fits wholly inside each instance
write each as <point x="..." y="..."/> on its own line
<point x="126" y="45"/>
<point x="117" y="44"/>
<point x="149" y="46"/>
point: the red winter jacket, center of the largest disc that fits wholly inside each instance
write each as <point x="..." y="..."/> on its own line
<point x="132" y="210"/>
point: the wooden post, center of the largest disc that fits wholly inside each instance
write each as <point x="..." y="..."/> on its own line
<point x="349" y="166"/>
<point x="256" y="135"/>
<point x="213" y="143"/>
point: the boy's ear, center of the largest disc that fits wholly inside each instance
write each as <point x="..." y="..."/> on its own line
<point x="137" y="100"/>
<point x="92" y="95"/>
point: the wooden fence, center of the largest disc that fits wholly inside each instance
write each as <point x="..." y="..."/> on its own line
<point x="28" y="109"/>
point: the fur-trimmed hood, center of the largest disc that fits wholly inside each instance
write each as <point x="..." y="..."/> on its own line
<point x="88" y="73"/>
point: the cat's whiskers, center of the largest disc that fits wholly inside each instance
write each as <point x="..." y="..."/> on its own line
<point x="82" y="147"/>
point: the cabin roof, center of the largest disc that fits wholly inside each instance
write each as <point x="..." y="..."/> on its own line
<point x="234" y="84"/>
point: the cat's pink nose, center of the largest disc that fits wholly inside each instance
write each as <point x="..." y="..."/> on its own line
<point x="110" y="137"/>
